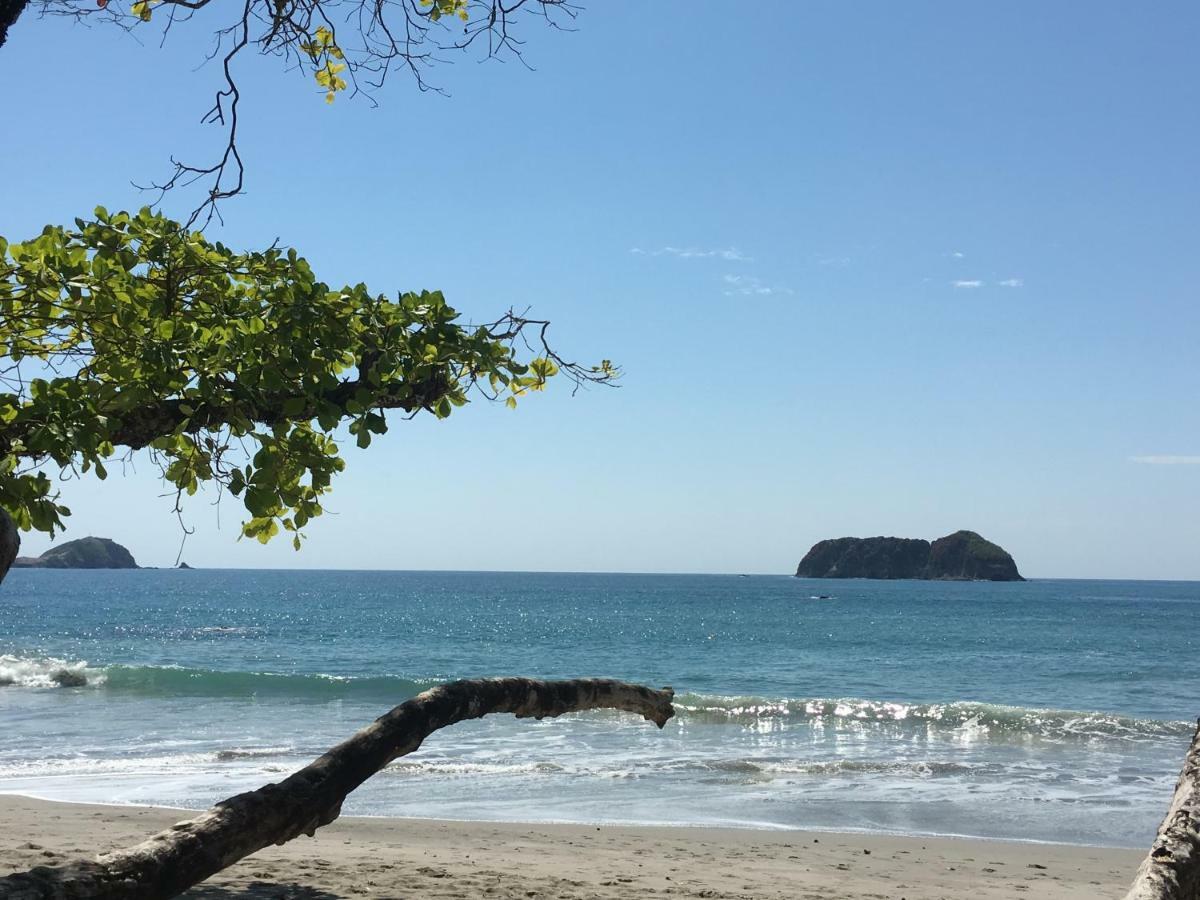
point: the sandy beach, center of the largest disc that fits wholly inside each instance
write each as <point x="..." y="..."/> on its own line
<point x="402" y="858"/>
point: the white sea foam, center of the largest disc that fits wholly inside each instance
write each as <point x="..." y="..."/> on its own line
<point x="126" y="764"/>
<point x="970" y="719"/>
<point x="463" y="768"/>
<point x="235" y="753"/>
<point x="46" y="672"/>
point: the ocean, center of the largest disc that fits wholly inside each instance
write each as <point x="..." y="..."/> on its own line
<point x="1051" y="710"/>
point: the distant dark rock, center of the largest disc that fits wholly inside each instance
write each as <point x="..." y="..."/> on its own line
<point x="183" y="565"/>
<point x="85" y="553"/>
<point x="965" y="556"/>
<point x="962" y="556"/>
<point x="877" y="557"/>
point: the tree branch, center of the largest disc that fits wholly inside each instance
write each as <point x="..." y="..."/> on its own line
<point x="186" y="854"/>
<point x="137" y="428"/>
<point x="10" y="542"/>
<point x="378" y="36"/>
<point x="1171" y="870"/>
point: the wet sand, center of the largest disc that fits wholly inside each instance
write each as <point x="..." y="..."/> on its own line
<point x="418" y="858"/>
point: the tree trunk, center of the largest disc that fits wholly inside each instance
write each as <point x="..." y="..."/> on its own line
<point x="9" y="11"/>
<point x="186" y="854"/>
<point x="1171" y="871"/>
<point x="10" y="538"/>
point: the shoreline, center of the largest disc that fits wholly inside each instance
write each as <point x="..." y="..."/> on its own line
<point x="400" y="857"/>
<point x="765" y="828"/>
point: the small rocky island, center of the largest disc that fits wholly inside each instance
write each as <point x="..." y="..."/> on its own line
<point x="85" y="553"/>
<point x="962" y="556"/>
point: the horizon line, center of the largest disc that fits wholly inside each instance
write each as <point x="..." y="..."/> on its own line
<point x="173" y="568"/>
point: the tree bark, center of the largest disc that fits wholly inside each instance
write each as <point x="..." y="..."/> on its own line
<point x="9" y="11"/>
<point x="186" y="854"/>
<point x="10" y="538"/>
<point x="1171" y="870"/>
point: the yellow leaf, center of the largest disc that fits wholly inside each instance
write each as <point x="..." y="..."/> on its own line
<point x="329" y="97"/>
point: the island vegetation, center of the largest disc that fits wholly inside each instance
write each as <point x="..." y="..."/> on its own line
<point x="82" y="553"/>
<point x="961" y="556"/>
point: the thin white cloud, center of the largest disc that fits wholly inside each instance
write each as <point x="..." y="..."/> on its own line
<point x="749" y="286"/>
<point x="1012" y="282"/>
<point x="957" y="254"/>
<point x="1167" y="460"/>
<point x="968" y="284"/>
<point x="729" y="254"/>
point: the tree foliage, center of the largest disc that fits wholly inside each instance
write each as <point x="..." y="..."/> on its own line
<point x="130" y="332"/>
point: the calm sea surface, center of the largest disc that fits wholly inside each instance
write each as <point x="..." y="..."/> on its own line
<point x="1051" y="710"/>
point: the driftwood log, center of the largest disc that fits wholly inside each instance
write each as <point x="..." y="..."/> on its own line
<point x="173" y="860"/>
<point x="1171" y="870"/>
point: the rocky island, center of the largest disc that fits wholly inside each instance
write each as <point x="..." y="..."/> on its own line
<point x="84" y="553"/>
<point x="962" y="556"/>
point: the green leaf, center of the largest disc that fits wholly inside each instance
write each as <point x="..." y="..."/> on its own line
<point x="293" y="406"/>
<point x="259" y="501"/>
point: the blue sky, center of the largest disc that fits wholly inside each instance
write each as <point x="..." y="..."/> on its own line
<point x="885" y="269"/>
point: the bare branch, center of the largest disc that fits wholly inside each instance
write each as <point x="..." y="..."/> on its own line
<point x="371" y="39"/>
<point x="186" y="854"/>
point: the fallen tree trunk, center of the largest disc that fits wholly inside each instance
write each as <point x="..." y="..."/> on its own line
<point x="186" y="854"/>
<point x="1171" y="870"/>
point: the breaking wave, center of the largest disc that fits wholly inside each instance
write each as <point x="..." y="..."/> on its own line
<point x="45" y="672"/>
<point x="463" y="768"/>
<point x="961" y="715"/>
<point x="968" y="717"/>
<point x="235" y="753"/>
<point x="155" y="764"/>
<point x="713" y="769"/>
<point x="173" y="681"/>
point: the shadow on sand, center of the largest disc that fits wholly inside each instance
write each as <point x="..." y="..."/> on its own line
<point x="258" y="890"/>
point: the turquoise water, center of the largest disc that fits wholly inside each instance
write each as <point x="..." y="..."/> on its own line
<point x="1050" y="710"/>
